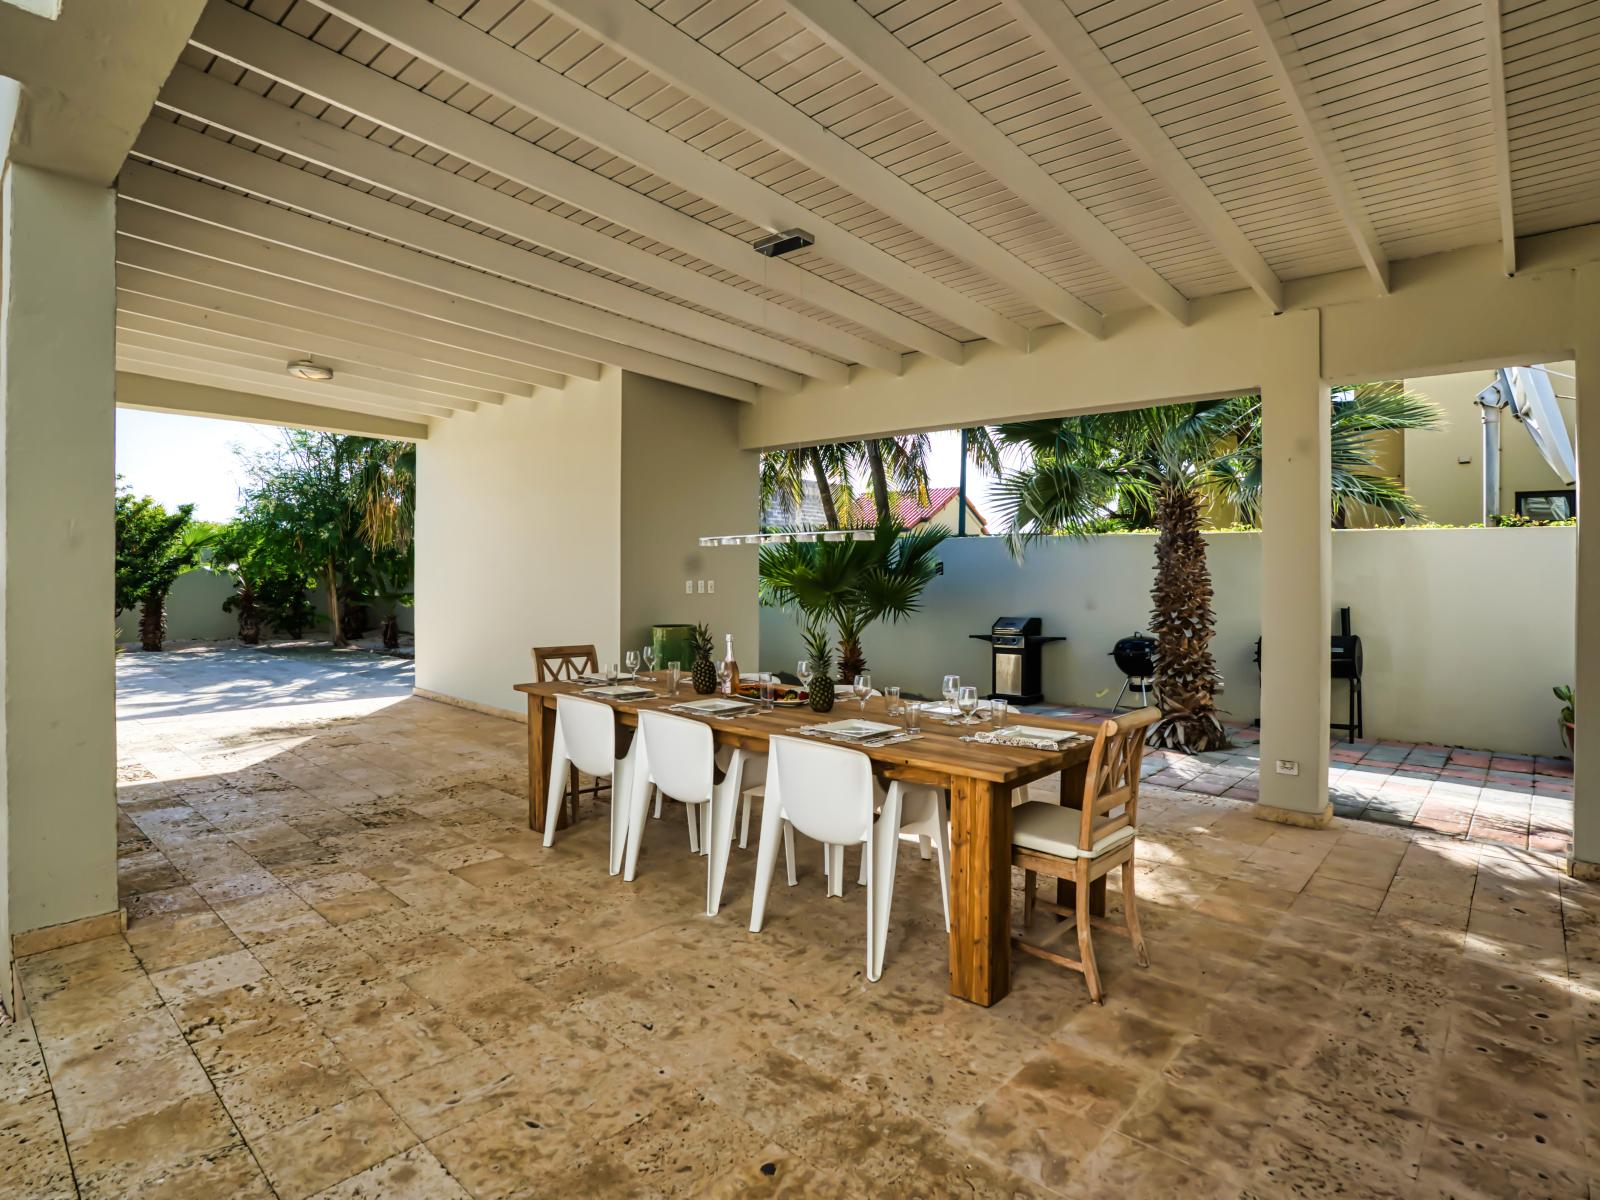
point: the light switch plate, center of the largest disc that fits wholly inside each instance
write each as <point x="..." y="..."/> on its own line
<point x="1288" y="766"/>
<point x="711" y="587"/>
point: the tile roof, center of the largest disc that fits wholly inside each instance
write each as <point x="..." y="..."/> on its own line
<point x="908" y="513"/>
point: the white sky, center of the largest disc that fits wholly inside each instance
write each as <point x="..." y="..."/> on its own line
<point x="183" y="460"/>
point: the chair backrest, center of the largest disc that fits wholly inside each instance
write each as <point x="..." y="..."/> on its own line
<point x="1111" y="782"/>
<point x="589" y="732"/>
<point x="682" y="755"/>
<point x="555" y="663"/>
<point x="826" y="791"/>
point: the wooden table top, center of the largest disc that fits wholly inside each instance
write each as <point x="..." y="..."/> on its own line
<point x="939" y="751"/>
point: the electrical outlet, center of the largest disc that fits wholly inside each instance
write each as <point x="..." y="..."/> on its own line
<point x="700" y="586"/>
<point x="711" y="587"/>
<point x="688" y="587"/>
<point x="1288" y="766"/>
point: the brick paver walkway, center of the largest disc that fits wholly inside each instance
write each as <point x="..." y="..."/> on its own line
<point x="1519" y="800"/>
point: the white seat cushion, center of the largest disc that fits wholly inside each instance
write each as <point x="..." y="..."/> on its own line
<point x="1052" y="829"/>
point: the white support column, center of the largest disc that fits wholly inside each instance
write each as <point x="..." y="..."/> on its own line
<point x="1586" y="670"/>
<point x="1296" y="573"/>
<point x="57" y="734"/>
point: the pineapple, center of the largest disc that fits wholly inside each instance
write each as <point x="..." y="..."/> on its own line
<point x="819" y="650"/>
<point x="702" y="672"/>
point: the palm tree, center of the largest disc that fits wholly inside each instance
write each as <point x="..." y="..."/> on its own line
<point x="1161" y="465"/>
<point x="900" y="460"/>
<point x="783" y="479"/>
<point x="851" y="584"/>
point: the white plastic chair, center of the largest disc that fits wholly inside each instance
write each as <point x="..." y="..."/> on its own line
<point x="678" y="756"/>
<point x="829" y="793"/>
<point x="586" y="737"/>
<point x="925" y="820"/>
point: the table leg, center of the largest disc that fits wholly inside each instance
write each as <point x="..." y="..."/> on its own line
<point x="541" y="739"/>
<point x="980" y="890"/>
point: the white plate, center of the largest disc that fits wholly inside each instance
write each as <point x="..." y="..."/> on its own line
<point x="855" y="728"/>
<point x="726" y="704"/>
<point x="619" y="692"/>
<point x="1037" y="733"/>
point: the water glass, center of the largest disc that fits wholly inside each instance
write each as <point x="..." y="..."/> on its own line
<point x="891" y="701"/>
<point x="674" y="673"/>
<point x="611" y="672"/>
<point x="911" y="716"/>
<point x="632" y="659"/>
<point x="863" y="689"/>
<point x="997" y="713"/>
<point x="967" y="702"/>
<point x="764" y="692"/>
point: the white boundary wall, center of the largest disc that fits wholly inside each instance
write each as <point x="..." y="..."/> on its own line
<point x="1465" y="631"/>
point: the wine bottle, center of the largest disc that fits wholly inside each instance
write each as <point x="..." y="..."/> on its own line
<point x="731" y="669"/>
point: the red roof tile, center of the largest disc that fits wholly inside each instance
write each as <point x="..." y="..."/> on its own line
<point x="908" y="513"/>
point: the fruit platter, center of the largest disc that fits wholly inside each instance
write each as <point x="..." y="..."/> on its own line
<point x="784" y="695"/>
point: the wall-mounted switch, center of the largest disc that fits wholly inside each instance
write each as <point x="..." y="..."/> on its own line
<point x="711" y="587"/>
<point x="688" y="587"/>
<point x="1288" y="766"/>
<point x="700" y="586"/>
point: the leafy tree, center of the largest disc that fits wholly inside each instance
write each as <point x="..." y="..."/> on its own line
<point x="783" y="479"/>
<point x="851" y="584"/>
<point x="153" y="547"/>
<point x="269" y="577"/>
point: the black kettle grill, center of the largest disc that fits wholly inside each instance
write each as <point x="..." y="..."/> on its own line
<point x="1135" y="657"/>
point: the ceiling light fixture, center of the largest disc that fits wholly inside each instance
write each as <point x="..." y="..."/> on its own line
<point x="308" y="370"/>
<point x="776" y="245"/>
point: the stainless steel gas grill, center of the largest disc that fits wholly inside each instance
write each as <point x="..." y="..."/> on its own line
<point x="1017" y="643"/>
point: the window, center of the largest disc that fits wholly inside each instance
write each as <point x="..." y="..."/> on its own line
<point x="1559" y="505"/>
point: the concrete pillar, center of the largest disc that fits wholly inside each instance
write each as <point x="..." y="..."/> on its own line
<point x="58" y="734"/>
<point x="1296" y="573"/>
<point x="1586" y="669"/>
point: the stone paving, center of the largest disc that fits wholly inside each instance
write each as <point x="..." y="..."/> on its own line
<point x="1519" y="800"/>
<point x="351" y="971"/>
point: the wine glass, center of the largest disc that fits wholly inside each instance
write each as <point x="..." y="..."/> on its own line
<point x="863" y="689"/>
<point x="804" y="671"/>
<point x="632" y="659"/>
<point x="952" y="686"/>
<point x="648" y="657"/>
<point x="967" y="702"/>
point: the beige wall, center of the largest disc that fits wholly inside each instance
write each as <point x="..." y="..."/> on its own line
<point x="574" y="517"/>
<point x="1451" y="491"/>
<point x="684" y="477"/>
<point x="1454" y="653"/>
<point x="517" y="515"/>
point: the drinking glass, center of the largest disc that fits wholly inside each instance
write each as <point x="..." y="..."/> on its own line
<point x="997" y="713"/>
<point x="804" y="671"/>
<point x="967" y="702"/>
<point x="611" y="672"/>
<point x="952" y="686"/>
<point x="632" y="659"/>
<point x="863" y="689"/>
<point x="674" y="673"/>
<point x="911" y="716"/>
<point x="648" y="656"/>
<point x="891" y="701"/>
<point x="764" y="689"/>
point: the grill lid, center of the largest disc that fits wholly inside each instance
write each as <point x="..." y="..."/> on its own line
<point x="1017" y="625"/>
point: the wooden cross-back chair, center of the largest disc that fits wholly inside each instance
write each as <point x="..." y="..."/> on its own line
<point x="553" y="664"/>
<point x="1081" y="845"/>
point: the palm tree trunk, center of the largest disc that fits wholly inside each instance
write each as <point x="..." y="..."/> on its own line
<point x="830" y="510"/>
<point x="339" y="639"/>
<point x="880" y="481"/>
<point x="153" y="619"/>
<point x="1183" y="623"/>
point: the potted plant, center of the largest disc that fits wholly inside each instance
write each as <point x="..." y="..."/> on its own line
<point x="1568" y="713"/>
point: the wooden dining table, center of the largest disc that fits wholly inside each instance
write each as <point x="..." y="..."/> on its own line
<point x="980" y="780"/>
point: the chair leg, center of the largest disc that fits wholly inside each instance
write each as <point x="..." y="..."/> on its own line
<point x="835" y="870"/>
<point x="1091" y="973"/>
<point x="572" y="796"/>
<point x="941" y="849"/>
<point x="883" y="845"/>
<point x="556" y="796"/>
<point x="1030" y="895"/>
<point x="861" y="871"/>
<point x="924" y="846"/>
<point x="694" y="828"/>
<point x="1130" y="913"/>
<point x="744" y="821"/>
<point x="788" y="852"/>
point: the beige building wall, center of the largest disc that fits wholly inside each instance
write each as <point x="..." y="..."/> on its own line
<point x="574" y="518"/>
<point x="1451" y="490"/>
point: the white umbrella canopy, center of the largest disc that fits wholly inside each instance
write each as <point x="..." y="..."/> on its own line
<point x="1533" y="402"/>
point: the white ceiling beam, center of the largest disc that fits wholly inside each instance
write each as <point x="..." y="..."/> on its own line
<point x="455" y="324"/>
<point x="1055" y="28"/>
<point x="431" y="33"/>
<point x="857" y="35"/>
<point x="1495" y="59"/>
<point x="549" y="320"/>
<point x="487" y="63"/>
<point x="331" y="393"/>
<point x="197" y="305"/>
<point x="306" y="250"/>
<point x="154" y="393"/>
<point x="159" y="335"/>
<point x="211" y="99"/>
<point x="215" y="328"/>
<point x="1265" y="20"/>
<point x="631" y="29"/>
<point x="278" y="53"/>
